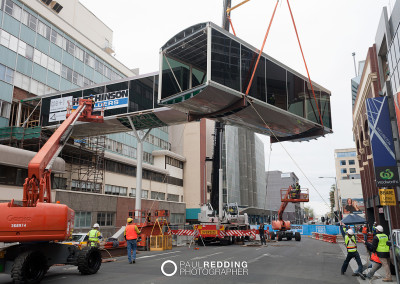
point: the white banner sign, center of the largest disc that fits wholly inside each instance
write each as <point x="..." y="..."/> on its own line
<point x="58" y="108"/>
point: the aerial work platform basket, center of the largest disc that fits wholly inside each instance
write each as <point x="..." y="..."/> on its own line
<point x="291" y="195"/>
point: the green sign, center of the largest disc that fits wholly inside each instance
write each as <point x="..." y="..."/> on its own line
<point x="386" y="174"/>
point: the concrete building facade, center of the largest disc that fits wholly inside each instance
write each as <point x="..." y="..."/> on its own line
<point x="348" y="182"/>
<point x="46" y="49"/>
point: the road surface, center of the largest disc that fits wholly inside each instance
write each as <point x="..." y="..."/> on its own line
<point x="309" y="261"/>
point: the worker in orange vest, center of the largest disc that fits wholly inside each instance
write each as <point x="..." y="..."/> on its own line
<point x="365" y="232"/>
<point x="131" y="234"/>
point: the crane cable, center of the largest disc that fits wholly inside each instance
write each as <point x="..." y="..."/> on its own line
<point x="309" y="78"/>
<point x="287" y="152"/>
<point x="305" y="64"/>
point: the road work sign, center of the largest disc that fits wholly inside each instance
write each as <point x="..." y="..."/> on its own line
<point x="387" y="197"/>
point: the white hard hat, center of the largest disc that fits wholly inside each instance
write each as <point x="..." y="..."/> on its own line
<point x="96" y="226"/>
<point x="350" y="232"/>
<point x="379" y="228"/>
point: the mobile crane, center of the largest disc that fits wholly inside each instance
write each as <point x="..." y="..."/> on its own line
<point x="39" y="226"/>
<point x="283" y="227"/>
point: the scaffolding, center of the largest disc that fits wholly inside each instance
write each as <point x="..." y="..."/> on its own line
<point x="86" y="164"/>
<point x="84" y="157"/>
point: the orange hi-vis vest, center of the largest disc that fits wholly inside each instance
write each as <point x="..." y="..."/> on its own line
<point x="131" y="232"/>
<point x="364" y="230"/>
<point x="375" y="258"/>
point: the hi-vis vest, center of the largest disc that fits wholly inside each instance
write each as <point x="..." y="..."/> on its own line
<point x="94" y="237"/>
<point x="131" y="233"/>
<point x="382" y="246"/>
<point x="350" y="243"/>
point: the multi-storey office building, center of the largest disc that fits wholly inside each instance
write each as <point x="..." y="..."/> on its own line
<point x="58" y="47"/>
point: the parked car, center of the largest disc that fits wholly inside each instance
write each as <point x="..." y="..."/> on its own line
<point x="396" y="245"/>
<point x="77" y="239"/>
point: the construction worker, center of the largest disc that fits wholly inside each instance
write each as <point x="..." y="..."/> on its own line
<point x="379" y="245"/>
<point x="261" y="231"/>
<point x="375" y="265"/>
<point x="131" y="234"/>
<point x="374" y="229"/>
<point x="351" y="246"/>
<point x="297" y="190"/>
<point x="365" y="232"/>
<point x="94" y="236"/>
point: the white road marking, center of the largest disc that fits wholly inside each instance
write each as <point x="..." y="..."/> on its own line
<point x="200" y="257"/>
<point x="153" y="255"/>
<point x="258" y="258"/>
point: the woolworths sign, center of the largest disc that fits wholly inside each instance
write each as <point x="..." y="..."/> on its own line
<point x="381" y="136"/>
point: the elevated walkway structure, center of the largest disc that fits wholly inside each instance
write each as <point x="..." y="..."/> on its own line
<point x="204" y="71"/>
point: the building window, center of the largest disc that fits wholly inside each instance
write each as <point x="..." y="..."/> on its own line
<point x="352" y="170"/>
<point x="177" y="218"/>
<point x="343" y="162"/>
<point x="174" y="162"/>
<point x="116" y="190"/>
<point x="85" y="186"/>
<point x="345" y="154"/>
<point x="352" y="162"/>
<point x="105" y="218"/>
<point x="83" y="220"/>
<point x="145" y="194"/>
<point x="12" y="176"/>
<point x="133" y="192"/>
<point x="157" y="195"/>
<point x="343" y="171"/>
<point x="173" y="197"/>
<point x="5" y="108"/>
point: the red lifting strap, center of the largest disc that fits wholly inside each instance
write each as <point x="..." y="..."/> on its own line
<point x="308" y="74"/>
<point x="261" y="50"/>
<point x="298" y="39"/>
<point x="233" y="30"/>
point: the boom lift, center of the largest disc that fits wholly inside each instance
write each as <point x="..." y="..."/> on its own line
<point x="283" y="227"/>
<point x="39" y="226"/>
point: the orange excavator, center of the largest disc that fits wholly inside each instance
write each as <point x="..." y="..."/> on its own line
<point x="38" y="226"/>
<point x="283" y="227"/>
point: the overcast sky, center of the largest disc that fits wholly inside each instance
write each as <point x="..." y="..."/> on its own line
<point x="329" y="30"/>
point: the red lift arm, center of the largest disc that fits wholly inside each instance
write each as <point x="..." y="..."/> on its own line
<point x="37" y="219"/>
<point x="286" y="197"/>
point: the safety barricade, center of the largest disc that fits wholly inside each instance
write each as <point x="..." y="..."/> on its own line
<point x="316" y="235"/>
<point x="325" y="237"/>
<point x="360" y="238"/>
<point x="329" y="238"/>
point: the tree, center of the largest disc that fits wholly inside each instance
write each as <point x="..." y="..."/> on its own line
<point x="332" y="196"/>
<point x="309" y="212"/>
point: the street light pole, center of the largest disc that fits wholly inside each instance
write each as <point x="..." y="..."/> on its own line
<point x="337" y="197"/>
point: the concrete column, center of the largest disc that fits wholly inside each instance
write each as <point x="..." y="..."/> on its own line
<point x="139" y="170"/>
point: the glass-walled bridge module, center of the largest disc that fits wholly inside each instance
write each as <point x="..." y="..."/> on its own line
<point x="205" y="71"/>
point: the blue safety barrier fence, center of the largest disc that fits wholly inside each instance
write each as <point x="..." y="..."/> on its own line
<point x="307" y="230"/>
